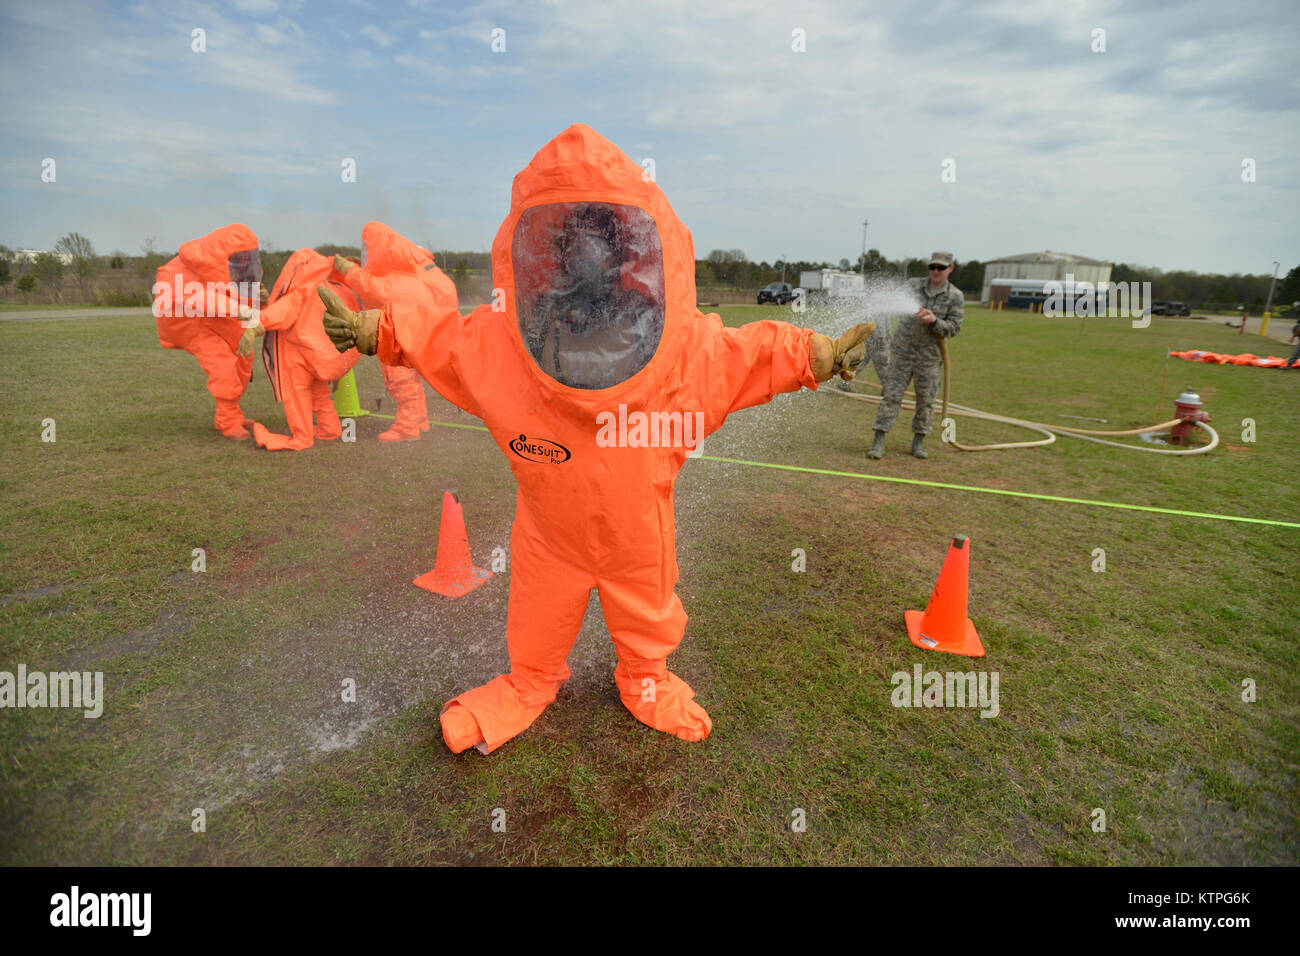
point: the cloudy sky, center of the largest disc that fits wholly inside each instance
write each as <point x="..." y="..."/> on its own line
<point x="1132" y="154"/>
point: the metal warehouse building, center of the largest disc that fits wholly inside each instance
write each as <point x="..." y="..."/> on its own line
<point x="1045" y="265"/>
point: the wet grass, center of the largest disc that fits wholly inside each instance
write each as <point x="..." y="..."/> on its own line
<point x="1119" y="690"/>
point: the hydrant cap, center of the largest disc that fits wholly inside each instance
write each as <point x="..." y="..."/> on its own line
<point x="1188" y="397"/>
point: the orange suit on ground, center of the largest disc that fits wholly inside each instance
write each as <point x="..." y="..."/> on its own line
<point x="394" y="269"/>
<point x="211" y="329"/>
<point x="300" y="360"/>
<point x="600" y="335"/>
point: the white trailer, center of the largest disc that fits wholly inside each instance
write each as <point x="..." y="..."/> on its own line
<point x="831" y="283"/>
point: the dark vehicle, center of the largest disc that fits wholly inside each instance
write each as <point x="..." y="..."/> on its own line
<point x="782" y="293"/>
<point x="1170" y="308"/>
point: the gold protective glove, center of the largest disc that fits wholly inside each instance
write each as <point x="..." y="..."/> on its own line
<point x="855" y="356"/>
<point x="248" y="340"/>
<point x="348" y="329"/>
<point x="828" y="356"/>
<point x="343" y="266"/>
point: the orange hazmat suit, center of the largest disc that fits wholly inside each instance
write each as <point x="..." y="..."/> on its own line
<point x="196" y="310"/>
<point x="596" y="381"/>
<point x="300" y="360"/>
<point x="394" y="269"/>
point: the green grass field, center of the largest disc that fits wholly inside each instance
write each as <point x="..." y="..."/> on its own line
<point x="1119" y="690"/>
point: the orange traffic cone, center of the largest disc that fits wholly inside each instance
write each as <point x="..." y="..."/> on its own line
<point x="453" y="573"/>
<point x="945" y="626"/>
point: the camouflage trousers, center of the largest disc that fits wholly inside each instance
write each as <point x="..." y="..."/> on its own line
<point x="902" y="369"/>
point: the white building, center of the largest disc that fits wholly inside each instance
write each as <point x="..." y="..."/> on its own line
<point x="1046" y="266"/>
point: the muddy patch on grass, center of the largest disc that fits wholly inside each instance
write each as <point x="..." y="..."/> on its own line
<point x="168" y="625"/>
<point x="35" y="594"/>
<point x="296" y="697"/>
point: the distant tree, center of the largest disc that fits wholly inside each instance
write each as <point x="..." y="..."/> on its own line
<point x="968" y="276"/>
<point x="844" y="265"/>
<point x="48" y="269"/>
<point x="1223" y="294"/>
<point x="5" y="275"/>
<point x="84" y="263"/>
<point x="729" y="265"/>
<point x="117" y="262"/>
<point x="25" y="284"/>
<point x="1288" y="290"/>
<point x="873" y="262"/>
<point x="460" y="273"/>
<point x="273" y="265"/>
<point x="151" y="260"/>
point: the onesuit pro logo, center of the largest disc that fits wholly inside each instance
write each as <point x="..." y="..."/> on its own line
<point x="540" y="449"/>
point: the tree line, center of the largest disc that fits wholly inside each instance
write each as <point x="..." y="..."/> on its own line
<point x="118" y="279"/>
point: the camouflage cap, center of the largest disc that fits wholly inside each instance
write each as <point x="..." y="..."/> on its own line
<point x="941" y="258"/>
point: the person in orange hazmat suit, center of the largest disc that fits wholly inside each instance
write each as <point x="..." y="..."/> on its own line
<point x="198" y="300"/>
<point x="300" y="361"/>
<point x="596" y="381"/>
<point x="394" y="269"/>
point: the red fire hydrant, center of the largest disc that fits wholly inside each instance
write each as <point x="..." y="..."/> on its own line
<point x="1187" y="407"/>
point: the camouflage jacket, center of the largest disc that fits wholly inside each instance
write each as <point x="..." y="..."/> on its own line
<point x="948" y="305"/>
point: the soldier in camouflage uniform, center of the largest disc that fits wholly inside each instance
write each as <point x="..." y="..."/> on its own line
<point x="914" y="353"/>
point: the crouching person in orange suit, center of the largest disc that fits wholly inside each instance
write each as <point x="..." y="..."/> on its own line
<point x="198" y="298"/>
<point x="300" y="360"/>
<point x="600" y="330"/>
<point x="394" y="269"/>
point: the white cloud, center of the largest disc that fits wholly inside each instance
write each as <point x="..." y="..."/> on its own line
<point x="376" y="35"/>
<point x="257" y="7"/>
<point x="268" y="35"/>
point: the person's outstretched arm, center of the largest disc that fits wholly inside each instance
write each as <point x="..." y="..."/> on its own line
<point x="427" y="340"/>
<point x="751" y="364"/>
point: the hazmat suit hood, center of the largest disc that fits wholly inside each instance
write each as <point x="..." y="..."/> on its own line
<point x="598" y="271"/>
<point x="209" y="258"/>
<point x="384" y="250"/>
<point x="306" y="267"/>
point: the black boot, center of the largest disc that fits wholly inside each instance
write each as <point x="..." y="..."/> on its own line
<point x="917" y="450"/>
<point x="878" y="446"/>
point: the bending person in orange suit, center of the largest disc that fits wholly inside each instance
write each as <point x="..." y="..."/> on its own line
<point x="205" y="319"/>
<point x="600" y="328"/>
<point x="300" y="361"/>
<point x="394" y="269"/>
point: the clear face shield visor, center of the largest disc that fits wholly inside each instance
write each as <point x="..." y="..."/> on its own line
<point x="589" y="285"/>
<point x="245" y="266"/>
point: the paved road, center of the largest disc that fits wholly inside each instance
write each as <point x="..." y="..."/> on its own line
<point x="73" y="313"/>
<point x="1279" y="329"/>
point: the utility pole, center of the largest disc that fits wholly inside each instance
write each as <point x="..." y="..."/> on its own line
<point x="862" y="266"/>
<point x="1269" y="305"/>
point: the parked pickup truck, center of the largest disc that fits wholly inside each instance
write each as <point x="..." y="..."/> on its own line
<point x="1170" y="308"/>
<point x="782" y="293"/>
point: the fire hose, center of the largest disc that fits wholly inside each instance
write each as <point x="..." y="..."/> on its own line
<point x="1043" y="428"/>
